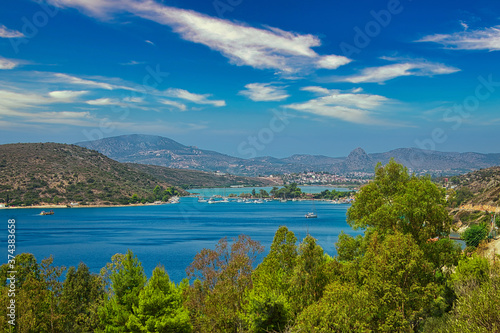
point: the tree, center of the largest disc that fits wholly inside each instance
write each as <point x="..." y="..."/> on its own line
<point x="134" y="199"/>
<point x="125" y="278"/>
<point x="350" y="248"/>
<point x="82" y="295"/>
<point x="310" y="275"/>
<point x="38" y="288"/>
<point x="160" y="307"/>
<point x="268" y="307"/>
<point x="401" y="282"/>
<point x="345" y="307"/>
<point x="398" y="202"/>
<point x="392" y="292"/>
<point x="157" y="192"/>
<point x="476" y="284"/>
<point x="474" y="234"/>
<point x="222" y="278"/>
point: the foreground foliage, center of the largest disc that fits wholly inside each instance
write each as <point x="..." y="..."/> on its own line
<point x="397" y="277"/>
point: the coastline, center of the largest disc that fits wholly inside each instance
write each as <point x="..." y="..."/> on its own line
<point x="81" y="206"/>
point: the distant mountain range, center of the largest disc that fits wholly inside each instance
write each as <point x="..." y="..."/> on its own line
<point x="156" y="150"/>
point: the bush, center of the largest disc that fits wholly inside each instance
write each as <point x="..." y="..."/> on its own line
<point x="475" y="234"/>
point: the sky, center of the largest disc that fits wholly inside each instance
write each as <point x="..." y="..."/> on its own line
<point x="254" y="78"/>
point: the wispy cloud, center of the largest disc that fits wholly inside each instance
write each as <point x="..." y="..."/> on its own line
<point x="175" y="104"/>
<point x="150" y="42"/>
<point x="262" y="48"/>
<point x="133" y="63"/>
<point x="8" y="63"/>
<point x="26" y="106"/>
<point x="481" y="39"/>
<point x="192" y="97"/>
<point x="407" y="68"/>
<point x="349" y="106"/>
<point x="104" y="101"/>
<point x="264" y="92"/>
<point x="9" y="33"/>
<point x="66" y="95"/>
<point x="89" y="82"/>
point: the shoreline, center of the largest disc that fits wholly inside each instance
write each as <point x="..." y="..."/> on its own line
<point x="140" y="205"/>
<point x="81" y="206"/>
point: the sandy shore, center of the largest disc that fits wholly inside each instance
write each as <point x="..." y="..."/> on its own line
<point x="45" y="207"/>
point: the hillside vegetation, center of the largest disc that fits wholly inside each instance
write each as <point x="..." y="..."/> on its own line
<point x="476" y="195"/>
<point x="52" y="173"/>
<point x="481" y="187"/>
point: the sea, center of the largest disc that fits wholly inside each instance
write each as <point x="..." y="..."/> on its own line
<point x="169" y="235"/>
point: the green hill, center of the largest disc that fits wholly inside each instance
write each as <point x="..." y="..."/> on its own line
<point x="481" y="187"/>
<point x="475" y="195"/>
<point x="52" y="173"/>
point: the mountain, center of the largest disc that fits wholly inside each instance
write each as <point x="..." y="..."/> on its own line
<point x="155" y="150"/>
<point x="35" y="173"/>
<point x="357" y="160"/>
<point x="53" y="173"/>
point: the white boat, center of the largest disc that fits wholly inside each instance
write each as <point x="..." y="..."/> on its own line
<point x="173" y="200"/>
<point x="201" y="199"/>
<point x="312" y="215"/>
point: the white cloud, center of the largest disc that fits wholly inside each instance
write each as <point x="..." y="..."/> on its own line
<point x="318" y="90"/>
<point x="103" y="101"/>
<point x="195" y="98"/>
<point x="484" y="39"/>
<point x="264" y="92"/>
<point x="332" y="62"/>
<point x="7" y="63"/>
<point x="262" y="48"/>
<point x="351" y="106"/>
<point x="178" y="105"/>
<point x="150" y="42"/>
<point x="8" y="33"/>
<point x="66" y="95"/>
<point x="389" y="72"/>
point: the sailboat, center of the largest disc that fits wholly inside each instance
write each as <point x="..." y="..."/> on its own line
<point x="312" y="215"/>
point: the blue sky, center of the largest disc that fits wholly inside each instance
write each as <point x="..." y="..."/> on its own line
<point x="254" y="78"/>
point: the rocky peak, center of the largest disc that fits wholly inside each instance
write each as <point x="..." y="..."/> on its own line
<point x="358" y="160"/>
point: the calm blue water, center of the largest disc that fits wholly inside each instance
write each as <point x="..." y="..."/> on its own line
<point x="166" y="234"/>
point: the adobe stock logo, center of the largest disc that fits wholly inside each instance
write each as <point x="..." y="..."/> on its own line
<point x="456" y="115"/>
<point x="265" y="136"/>
<point x="32" y="26"/>
<point x="372" y="29"/>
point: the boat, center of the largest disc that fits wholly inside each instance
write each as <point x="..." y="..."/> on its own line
<point x="201" y="199"/>
<point x="51" y="212"/>
<point x="312" y="215"/>
<point x="174" y="200"/>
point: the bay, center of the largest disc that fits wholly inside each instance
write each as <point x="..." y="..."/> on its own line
<point x="170" y="235"/>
